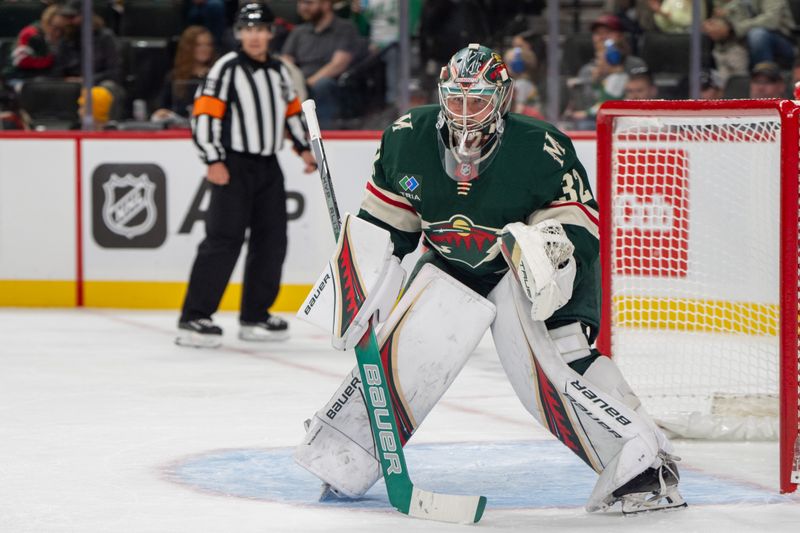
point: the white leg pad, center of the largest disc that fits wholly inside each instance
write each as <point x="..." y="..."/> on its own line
<point x="345" y="461"/>
<point x="596" y="415"/>
<point x="606" y="374"/>
<point x="426" y="341"/>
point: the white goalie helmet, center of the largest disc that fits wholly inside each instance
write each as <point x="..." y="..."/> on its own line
<point x="474" y="96"/>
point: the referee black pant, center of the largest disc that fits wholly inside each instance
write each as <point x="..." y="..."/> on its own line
<point x="254" y="198"/>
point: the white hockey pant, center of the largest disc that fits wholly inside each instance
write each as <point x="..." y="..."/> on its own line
<point x="596" y="415"/>
<point x="424" y="344"/>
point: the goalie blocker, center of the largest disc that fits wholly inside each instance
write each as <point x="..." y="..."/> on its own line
<point x="595" y="414"/>
<point x="364" y="256"/>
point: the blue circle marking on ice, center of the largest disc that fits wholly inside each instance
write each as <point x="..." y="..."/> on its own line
<point x="512" y="475"/>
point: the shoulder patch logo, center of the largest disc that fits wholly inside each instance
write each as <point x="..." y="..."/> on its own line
<point x="410" y="186"/>
<point x="555" y="150"/>
<point x="402" y="123"/>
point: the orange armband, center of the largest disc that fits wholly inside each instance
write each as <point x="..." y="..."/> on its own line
<point x="209" y="105"/>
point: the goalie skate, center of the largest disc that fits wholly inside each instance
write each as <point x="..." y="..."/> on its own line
<point x="655" y="489"/>
<point x="330" y="494"/>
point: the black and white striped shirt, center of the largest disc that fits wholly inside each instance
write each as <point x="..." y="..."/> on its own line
<point x="246" y="106"/>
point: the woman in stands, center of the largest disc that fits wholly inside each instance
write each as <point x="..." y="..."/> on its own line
<point x="193" y="59"/>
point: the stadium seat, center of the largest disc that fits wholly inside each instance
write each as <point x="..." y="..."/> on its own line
<point x="16" y="15"/>
<point x="794" y="6"/>
<point x="666" y="52"/>
<point x="577" y="50"/>
<point x="6" y="47"/>
<point x="104" y="10"/>
<point x="286" y="9"/>
<point x="151" y="18"/>
<point x="362" y="87"/>
<point x="145" y="63"/>
<point x="50" y="104"/>
<point x="667" y="56"/>
<point x="737" y="87"/>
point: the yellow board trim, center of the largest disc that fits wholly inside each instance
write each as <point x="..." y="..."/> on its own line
<point x="169" y="295"/>
<point x="38" y="293"/>
<point x="684" y="314"/>
<point x="129" y="295"/>
<point x="676" y="314"/>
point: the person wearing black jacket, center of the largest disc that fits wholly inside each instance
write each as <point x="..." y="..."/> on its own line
<point x="105" y="49"/>
<point x="241" y="116"/>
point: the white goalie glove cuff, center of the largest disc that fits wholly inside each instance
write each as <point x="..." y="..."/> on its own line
<point x="541" y="258"/>
<point x="378" y="305"/>
<point x="362" y="281"/>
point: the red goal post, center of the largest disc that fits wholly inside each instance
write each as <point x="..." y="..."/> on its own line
<point x="699" y="239"/>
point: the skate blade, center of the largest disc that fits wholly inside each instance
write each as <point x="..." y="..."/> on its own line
<point x="193" y="340"/>
<point x="669" y="506"/>
<point x="656" y="510"/>
<point x="276" y="336"/>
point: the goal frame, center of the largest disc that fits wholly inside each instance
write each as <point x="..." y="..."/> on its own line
<point x="789" y="336"/>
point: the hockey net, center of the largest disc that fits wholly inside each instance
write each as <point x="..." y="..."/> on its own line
<point x="700" y="265"/>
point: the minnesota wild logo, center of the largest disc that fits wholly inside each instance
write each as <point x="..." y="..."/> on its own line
<point x="459" y="239"/>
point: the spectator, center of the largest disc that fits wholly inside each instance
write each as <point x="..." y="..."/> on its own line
<point x="607" y="27"/>
<point x="640" y="85"/>
<point x="207" y="13"/>
<point x="193" y="59"/>
<point x="33" y="54"/>
<point x="604" y="77"/>
<point x="711" y="87"/>
<point x="730" y="55"/>
<point x="766" y="26"/>
<point x="636" y="16"/>
<point x="766" y="81"/>
<point x="102" y="100"/>
<point x="383" y="30"/>
<point x="354" y="11"/>
<point x="106" y="50"/>
<point x="521" y="62"/>
<point x="323" y="47"/>
<point x="674" y="16"/>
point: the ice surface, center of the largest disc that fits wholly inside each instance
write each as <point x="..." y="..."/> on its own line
<point x="106" y="425"/>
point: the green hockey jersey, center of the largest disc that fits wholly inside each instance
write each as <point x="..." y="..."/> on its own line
<point x="535" y="176"/>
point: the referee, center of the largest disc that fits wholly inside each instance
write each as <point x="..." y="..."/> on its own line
<point x="242" y="112"/>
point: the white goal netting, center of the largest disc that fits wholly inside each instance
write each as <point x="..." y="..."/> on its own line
<point x="695" y="270"/>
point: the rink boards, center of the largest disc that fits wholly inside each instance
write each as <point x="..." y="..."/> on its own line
<point x="114" y="219"/>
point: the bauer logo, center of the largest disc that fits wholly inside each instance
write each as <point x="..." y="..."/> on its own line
<point x="129" y="205"/>
<point x="651" y="225"/>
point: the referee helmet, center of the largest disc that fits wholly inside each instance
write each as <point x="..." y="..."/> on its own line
<point x="255" y="14"/>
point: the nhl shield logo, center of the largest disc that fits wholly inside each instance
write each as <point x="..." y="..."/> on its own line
<point x="125" y="198"/>
<point x="129" y="205"/>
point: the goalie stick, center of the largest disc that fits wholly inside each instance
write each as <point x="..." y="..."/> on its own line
<point x="403" y="495"/>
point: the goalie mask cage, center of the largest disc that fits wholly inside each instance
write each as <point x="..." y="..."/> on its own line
<point x="699" y="251"/>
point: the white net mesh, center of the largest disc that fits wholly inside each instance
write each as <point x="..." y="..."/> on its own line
<point x="695" y="270"/>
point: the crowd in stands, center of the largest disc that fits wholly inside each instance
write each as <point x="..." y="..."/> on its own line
<point x="150" y="55"/>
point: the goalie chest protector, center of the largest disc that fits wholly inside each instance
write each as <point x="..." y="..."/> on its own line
<point x="461" y="220"/>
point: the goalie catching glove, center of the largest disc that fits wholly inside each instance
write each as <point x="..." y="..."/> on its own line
<point x="540" y="256"/>
<point x="361" y="283"/>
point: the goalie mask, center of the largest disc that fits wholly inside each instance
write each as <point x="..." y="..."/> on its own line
<point x="474" y="96"/>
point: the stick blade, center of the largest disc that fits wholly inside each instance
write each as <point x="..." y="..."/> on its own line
<point x="451" y="508"/>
